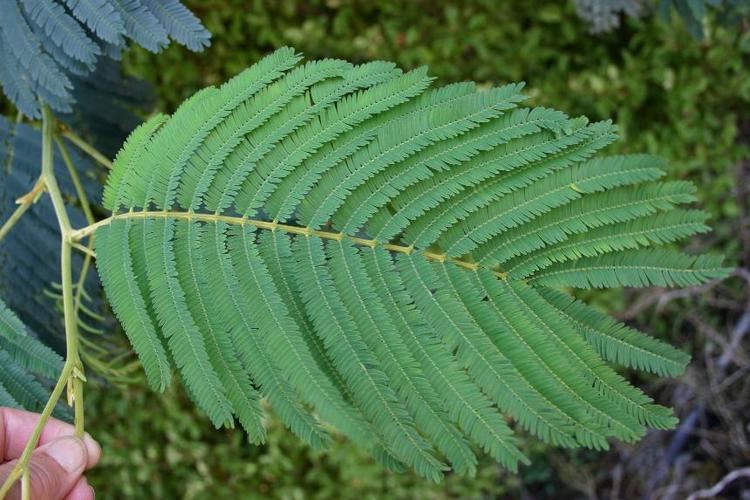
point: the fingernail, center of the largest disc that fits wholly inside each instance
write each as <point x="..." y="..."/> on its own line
<point x="68" y="451"/>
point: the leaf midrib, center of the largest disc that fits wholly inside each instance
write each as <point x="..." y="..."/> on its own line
<point x="276" y="226"/>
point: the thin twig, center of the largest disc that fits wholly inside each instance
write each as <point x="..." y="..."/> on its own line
<point x="86" y="206"/>
<point x="738" y="333"/>
<point x="687" y="426"/>
<point x="662" y="297"/>
<point x="89" y="253"/>
<point x="719" y="487"/>
<point x="738" y="356"/>
<point x="87" y="148"/>
<point x="24" y="203"/>
<point x="80" y="192"/>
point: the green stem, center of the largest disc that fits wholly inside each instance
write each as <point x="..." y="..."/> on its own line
<point x="86" y="206"/>
<point x="48" y="175"/>
<point x="87" y="148"/>
<point x="72" y="373"/>
<point x="26" y="486"/>
<point x="77" y="391"/>
<point x="71" y="322"/>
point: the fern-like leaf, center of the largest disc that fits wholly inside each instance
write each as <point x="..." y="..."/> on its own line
<point x="368" y="253"/>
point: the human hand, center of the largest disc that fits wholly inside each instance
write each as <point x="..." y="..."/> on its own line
<point x="57" y="464"/>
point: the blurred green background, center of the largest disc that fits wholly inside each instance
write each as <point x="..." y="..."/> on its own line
<point x="672" y="95"/>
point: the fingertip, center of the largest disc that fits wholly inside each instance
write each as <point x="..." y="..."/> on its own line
<point x="81" y="491"/>
<point x="93" y="450"/>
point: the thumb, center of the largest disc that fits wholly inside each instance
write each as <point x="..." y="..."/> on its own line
<point x="54" y="469"/>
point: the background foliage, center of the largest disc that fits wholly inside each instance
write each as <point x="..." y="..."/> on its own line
<point x="49" y="51"/>
<point x="683" y="99"/>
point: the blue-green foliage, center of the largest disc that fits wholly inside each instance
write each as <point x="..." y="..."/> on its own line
<point x="21" y="357"/>
<point x="47" y="45"/>
<point x="61" y="29"/>
<point x="106" y="104"/>
<point x="33" y="66"/>
<point x="180" y="23"/>
<point x="605" y="15"/>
